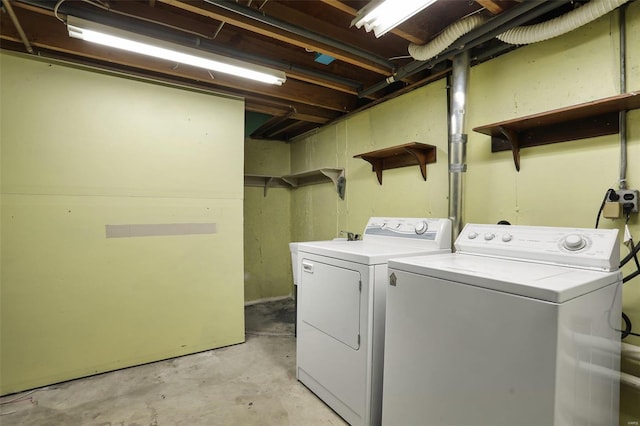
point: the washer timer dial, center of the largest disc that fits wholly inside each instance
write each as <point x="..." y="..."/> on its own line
<point x="421" y="227"/>
<point x="574" y="242"/>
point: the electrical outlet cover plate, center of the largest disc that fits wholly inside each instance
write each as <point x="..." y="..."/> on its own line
<point x="628" y="196"/>
<point x="612" y="210"/>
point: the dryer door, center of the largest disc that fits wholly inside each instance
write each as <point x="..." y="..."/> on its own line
<point x="331" y="301"/>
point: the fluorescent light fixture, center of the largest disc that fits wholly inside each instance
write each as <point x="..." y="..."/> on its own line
<point x="384" y="15"/>
<point x="132" y="42"/>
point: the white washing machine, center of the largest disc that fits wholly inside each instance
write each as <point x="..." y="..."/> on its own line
<point x="341" y="311"/>
<point x="519" y="327"/>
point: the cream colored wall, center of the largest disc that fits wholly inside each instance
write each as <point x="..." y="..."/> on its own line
<point x="81" y="150"/>
<point x="267" y="224"/>
<point x="559" y="185"/>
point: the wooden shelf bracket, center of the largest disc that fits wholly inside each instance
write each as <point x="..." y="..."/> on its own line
<point x="265" y="181"/>
<point x="316" y="176"/>
<point x="512" y="138"/>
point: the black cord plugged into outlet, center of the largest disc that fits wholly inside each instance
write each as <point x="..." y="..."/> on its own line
<point x="627" y="208"/>
<point x="607" y="196"/>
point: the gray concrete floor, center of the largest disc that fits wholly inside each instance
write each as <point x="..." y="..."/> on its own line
<point x="252" y="383"/>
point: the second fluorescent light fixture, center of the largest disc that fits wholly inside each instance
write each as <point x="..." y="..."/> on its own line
<point x="383" y="16"/>
<point x="132" y="42"/>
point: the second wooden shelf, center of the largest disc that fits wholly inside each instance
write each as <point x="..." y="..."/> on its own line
<point x="400" y="156"/>
<point x="586" y="120"/>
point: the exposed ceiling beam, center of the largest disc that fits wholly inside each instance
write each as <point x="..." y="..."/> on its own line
<point x="231" y="18"/>
<point x="491" y="6"/>
<point x="338" y="28"/>
<point x="278" y="109"/>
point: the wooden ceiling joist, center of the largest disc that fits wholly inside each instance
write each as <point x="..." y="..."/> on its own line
<point x="236" y="20"/>
<point x="491" y="6"/>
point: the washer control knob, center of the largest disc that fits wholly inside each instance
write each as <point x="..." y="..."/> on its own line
<point x="489" y="236"/>
<point x="507" y="237"/>
<point x="472" y="235"/>
<point x="574" y="242"/>
<point x="422" y="227"/>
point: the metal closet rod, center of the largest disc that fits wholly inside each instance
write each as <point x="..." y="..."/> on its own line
<point x="513" y="17"/>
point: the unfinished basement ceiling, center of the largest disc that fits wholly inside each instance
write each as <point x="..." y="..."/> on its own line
<point x="284" y="35"/>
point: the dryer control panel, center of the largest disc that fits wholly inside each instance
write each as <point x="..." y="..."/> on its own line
<point x="578" y="247"/>
<point x="437" y="231"/>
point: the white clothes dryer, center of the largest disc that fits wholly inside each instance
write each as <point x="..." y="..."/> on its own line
<point x="519" y="327"/>
<point x="341" y="310"/>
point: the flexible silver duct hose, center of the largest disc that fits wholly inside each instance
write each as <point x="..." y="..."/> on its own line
<point x="560" y="25"/>
<point x="518" y="35"/>
<point x="445" y="39"/>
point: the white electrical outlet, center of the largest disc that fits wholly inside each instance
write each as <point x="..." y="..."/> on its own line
<point x="628" y="197"/>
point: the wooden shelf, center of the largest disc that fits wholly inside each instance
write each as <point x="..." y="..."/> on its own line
<point x="590" y="119"/>
<point x="316" y="176"/>
<point x="397" y="156"/>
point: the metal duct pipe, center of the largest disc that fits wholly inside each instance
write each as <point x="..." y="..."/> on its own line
<point x="16" y="23"/>
<point x="561" y="25"/>
<point x="259" y="16"/>
<point x="623" y="89"/>
<point x="457" y="138"/>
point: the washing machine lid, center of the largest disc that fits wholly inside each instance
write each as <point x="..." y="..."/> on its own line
<point x="364" y="252"/>
<point x="551" y="283"/>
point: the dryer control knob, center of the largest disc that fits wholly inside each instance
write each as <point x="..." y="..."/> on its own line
<point x="507" y="237"/>
<point x="422" y="227"/>
<point x="472" y="235"/>
<point x="574" y="242"/>
<point x="489" y="236"/>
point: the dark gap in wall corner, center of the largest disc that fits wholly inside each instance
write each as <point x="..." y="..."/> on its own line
<point x="253" y="120"/>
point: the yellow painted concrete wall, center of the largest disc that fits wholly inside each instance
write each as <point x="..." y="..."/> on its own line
<point x="559" y="185"/>
<point x="419" y="116"/>
<point x="267" y="224"/>
<point x="81" y="150"/>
